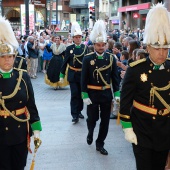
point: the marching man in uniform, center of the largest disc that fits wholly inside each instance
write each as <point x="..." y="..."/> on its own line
<point x="99" y="73"/>
<point x="144" y="101"/>
<point x="73" y="56"/>
<point x="18" y="112"/>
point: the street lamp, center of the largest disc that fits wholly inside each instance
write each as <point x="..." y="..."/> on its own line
<point x="1" y="7"/>
<point x="27" y="16"/>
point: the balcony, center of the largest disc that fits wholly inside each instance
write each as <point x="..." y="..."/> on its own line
<point x="79" y="4"/>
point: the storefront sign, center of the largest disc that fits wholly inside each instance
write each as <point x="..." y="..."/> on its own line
<point x="115" y="21"/>
<point x="136" y="15"/>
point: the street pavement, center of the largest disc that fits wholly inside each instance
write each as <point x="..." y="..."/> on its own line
<point x="64" y="144"/>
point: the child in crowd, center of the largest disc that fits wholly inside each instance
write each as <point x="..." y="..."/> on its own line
<point x="141" y="53"/>
<point x="124" y="60"/>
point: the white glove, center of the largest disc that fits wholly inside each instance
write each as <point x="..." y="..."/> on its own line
<point x="117" y="99"/>
<point x="87" y="101"/>
<point x="61" y="80"/>
<point x="36" y="134"/>
<point x="130" y="136"/>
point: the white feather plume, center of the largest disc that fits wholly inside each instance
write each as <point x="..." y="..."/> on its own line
<point x="75" y="29"/>
<point x="98" y="34"/>
<point x="6" y="33"/>
<point x="157" y="27"/>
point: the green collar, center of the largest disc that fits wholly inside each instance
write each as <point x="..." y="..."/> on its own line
<point x="99" y="57"/>
<point x="6" y="75"/>
<point x="77" y="46"/>
<point x="156" y="67"/>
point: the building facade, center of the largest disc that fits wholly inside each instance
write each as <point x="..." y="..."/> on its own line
<point x="127" y="14"/>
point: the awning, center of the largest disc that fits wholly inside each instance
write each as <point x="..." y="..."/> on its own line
<point x="134" y="7"/>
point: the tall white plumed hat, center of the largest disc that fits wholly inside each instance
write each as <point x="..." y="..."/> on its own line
<point x="98" y="34"/>
<point x="8" y="42"/>
<point x="75" y="29"/>
<point x="157" y="27"/>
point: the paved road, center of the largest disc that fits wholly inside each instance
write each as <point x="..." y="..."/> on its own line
<point x="64" y="144"/>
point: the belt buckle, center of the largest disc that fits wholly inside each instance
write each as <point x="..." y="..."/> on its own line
<point x="103" y="87"/>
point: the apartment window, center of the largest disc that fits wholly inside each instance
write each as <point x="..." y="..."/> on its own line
<point x="66" y="3"/>
<point x="114" y="8"/>
<point x="66" y="15"/>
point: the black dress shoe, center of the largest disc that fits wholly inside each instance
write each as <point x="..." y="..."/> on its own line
<point x="102" y="150"/>
<point x="81" y="116"/>
<point x="75" y="120"/>
<point x="89" y="139"/>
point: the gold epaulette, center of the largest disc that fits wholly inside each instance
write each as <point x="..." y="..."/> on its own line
<point x="137" y="62"/>
<point x="19" y="69"/>
<point x="168" y="58"/>
<point x="89" y="53"/>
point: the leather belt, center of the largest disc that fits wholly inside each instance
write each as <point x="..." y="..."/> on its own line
<point x="75" y="69"/>
<point x="98" y="87"/>
<point x="150" y="110"/>
<point x="15" y="112"/>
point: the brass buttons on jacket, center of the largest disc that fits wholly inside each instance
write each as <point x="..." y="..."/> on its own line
<point x="19" y="88"/>
<point x="150" y="71"/>
<point x="153" y="117"/>
<point x="6" y="128"/>
<point x="20" y="101"/>
<point x="19" y="126"/>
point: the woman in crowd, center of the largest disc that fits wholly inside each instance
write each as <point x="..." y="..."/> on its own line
<point x="53" y="71"/>
<point x="133" y="44"/>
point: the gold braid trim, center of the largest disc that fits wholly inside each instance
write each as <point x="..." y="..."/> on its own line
<point x="16" y="87"/>
<point x="98" y="70"/>
<point x="154" y="92"/>
<point x="26" y="88"/>
<point x="2" y="100"/>
<point x="20" y="63"/>
<point x="77" y="56"/>
<point x="137" y="62"/>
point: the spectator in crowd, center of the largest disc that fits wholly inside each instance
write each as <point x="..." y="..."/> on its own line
<point x="53" y="71"/>
<point x="125" y="42"/>
<point x="140" y="54"/>
<point x="41" y="45"/>
<point x="110" y="45"/>
<point x="86" y="41"/>
<point x="32" y="47"/>
<point x="117" y="49"/>
<point x="20" y="61"/>
<point x="133" y="44"/>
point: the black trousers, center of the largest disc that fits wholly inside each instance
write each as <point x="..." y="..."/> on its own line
<point x="76" y="102"/>
<point x="93" y="114"/>
<point x="13" y="157"/>
<point x="149" y="159"/>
